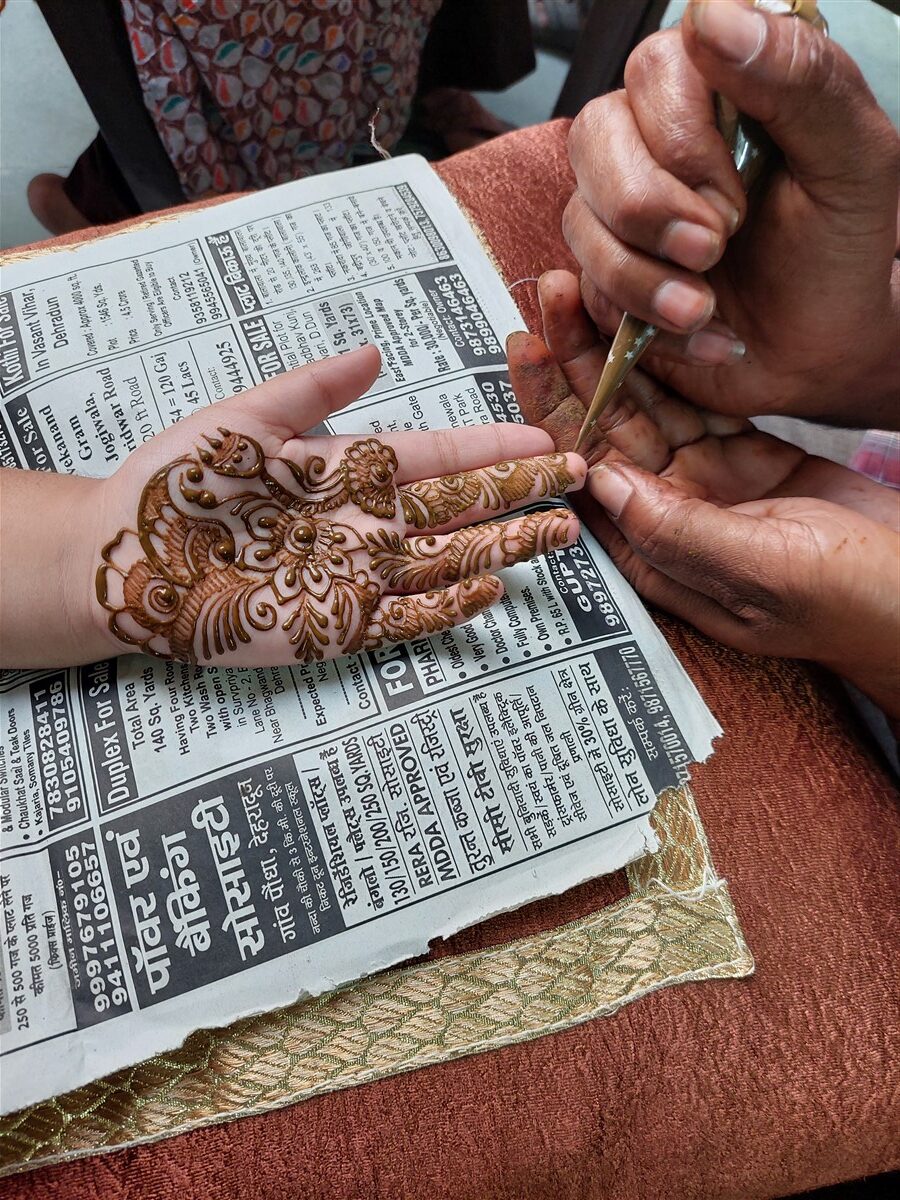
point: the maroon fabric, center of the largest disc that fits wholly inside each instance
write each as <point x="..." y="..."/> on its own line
<point x="708" y="1091"/>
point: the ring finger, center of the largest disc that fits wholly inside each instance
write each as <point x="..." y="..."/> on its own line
<point x="419" y="564"/>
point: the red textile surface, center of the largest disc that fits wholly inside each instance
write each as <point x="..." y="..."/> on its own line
<point x="753" y="1088"/>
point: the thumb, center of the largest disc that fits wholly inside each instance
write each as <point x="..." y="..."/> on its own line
<point x="295" y="402"/>
<point x="807" y="93"/>
<point x="740" y="561"/>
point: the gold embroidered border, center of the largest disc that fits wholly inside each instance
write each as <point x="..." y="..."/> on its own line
<point x="677" y="924"/>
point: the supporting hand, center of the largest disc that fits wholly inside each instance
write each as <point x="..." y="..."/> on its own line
<point x="758" y="544"/>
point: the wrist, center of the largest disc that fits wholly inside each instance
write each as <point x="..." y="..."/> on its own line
<point x="47" y="547"/>
<point x="862" y="644"/>
<point x="85" y="615"/>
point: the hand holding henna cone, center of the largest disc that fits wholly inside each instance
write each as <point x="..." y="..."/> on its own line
<point x="252" y="560"/>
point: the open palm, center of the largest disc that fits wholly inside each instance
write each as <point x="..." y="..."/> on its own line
<point x="233" y="538"/>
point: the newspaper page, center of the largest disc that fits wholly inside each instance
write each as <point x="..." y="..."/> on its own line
<point x="183" y="846"/>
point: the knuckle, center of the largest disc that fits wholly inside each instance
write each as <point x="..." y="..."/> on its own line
<point x="651" y="58"/>
<point x="572" y="217"/>
<point x="618" y="263"/>
<point x="624" y="558"/>
<point x="446" y="451"/>
<point x="639" y="574"/>
<point x="584" y="128"/>
<point x="320" y="381"/>
<point x="660" y="537"/>
<point x="691" y="146"/>
<point x="810" y="60"/>
<point x="592" y="138"/>
<point x="630" y="205"/>
<point x="598" y="305"/>
<point x="842" y="73"/>
<point x="498" y="445"/>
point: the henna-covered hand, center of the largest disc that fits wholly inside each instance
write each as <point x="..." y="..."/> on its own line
<point x="244" y="544"/>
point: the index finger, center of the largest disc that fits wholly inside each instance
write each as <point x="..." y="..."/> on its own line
<point x="674" y="109"/>
<point x="574" y="343"/>
<point x="422" y="454"/>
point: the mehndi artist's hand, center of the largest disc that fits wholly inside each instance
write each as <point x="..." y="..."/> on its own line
<point x="231" y="538"/>
<point x="808" y="282"/>
<point x="758" y="544"/>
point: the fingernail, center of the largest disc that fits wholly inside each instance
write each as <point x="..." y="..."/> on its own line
<point x="692" y="246"/>
<point x="724" y="424"/>
<point x="731" y="28"/>
<point x="681" y="304"/>
<point x="713" y="348"/>
<point x="729" y="212"/>
<point x="610" y="488"/>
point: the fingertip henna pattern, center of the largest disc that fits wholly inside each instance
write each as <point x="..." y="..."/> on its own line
<point x="253" y="560"/>
<point x="401" y="618"/>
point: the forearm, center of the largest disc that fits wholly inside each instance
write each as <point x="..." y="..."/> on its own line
<point x="47" y="542"/>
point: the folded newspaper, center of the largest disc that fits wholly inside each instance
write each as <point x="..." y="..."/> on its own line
<point x="180" y="846"/>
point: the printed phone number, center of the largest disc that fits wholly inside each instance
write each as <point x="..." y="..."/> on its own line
<point x="93" y="927"/>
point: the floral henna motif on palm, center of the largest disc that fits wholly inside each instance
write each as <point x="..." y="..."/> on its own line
<point x="232" y="547"/>
<point x="230" y="544"/>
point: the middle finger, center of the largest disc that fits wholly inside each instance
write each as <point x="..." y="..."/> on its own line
<point x="466" y="497"/>
<point x="424" y="453"/>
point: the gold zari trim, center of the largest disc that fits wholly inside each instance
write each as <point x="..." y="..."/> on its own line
<point x="677" y="924"/>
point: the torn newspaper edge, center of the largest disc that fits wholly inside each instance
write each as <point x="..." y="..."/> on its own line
<point x="181" y="847"/>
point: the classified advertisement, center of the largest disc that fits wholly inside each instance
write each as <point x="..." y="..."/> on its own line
<point x="208" y="843"/>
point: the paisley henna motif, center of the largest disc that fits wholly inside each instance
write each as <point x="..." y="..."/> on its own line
<point x="234" y="549"/>
<point x="431" y="503"/>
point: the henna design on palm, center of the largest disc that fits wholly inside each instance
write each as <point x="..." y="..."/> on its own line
<point x="244" y="558"/>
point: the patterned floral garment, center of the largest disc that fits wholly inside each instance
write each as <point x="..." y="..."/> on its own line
<point x="249" y="93"/>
